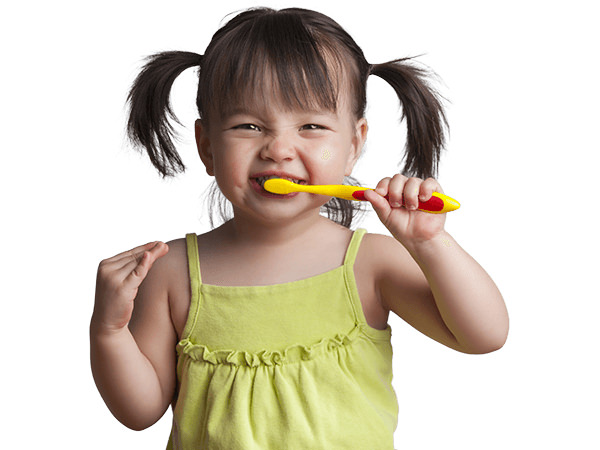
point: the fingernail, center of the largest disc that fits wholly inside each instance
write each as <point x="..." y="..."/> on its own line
<point x="395" y="205"/>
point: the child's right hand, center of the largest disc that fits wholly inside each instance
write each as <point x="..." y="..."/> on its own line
<point x="117" y="285"/>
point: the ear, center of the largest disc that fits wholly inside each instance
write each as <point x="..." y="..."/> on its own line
<point x="358" y="141"/>
<point x="203" y="144"/>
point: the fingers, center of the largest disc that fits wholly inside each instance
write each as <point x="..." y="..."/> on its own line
<point x="134" y="255"/>
<point x="140" y="267"/>
<point x="137" y="261"/>
<point x="136" y="271"/>
<point x="134" y="252"/>
<point x="423" y="190"/>
<point x="380" y="204"/>
<point x="407" y="192"/>
<point x="118" y="281"/>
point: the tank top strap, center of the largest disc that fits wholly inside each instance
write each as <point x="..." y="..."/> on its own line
<point x="350" y="280"/>
<point x="352" y="250"/>
<point x="195" y="281"/>
<point x="193" y="259"/>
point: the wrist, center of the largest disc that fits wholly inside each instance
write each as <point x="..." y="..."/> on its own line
<point x="100" y="328"/>
<point x="423" y="248"/>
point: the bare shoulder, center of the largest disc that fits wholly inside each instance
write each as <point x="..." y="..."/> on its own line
<point x="175" y="261"/>
<point x="166" y="272"/>
<point x="386" y="257"/>
<point x="396" y="276"/>
<point x="157" y="286"/>
<point x="403" y="288"/>
<point x="166" y="288"/>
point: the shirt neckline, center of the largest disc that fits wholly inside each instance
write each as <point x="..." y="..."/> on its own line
<point x="271" y="286"/>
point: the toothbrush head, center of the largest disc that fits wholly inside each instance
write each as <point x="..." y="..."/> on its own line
<point x="280" y="186"/>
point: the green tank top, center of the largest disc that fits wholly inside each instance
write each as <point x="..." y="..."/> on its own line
<point x="285" y="366"/>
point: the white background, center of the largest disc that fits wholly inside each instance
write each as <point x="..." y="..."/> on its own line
<point x="522" y="82"/>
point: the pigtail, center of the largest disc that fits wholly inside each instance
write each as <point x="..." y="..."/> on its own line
<point x="425" y="118"/>
<point x="148" y="125"/>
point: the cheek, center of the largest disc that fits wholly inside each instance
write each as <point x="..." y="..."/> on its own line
<point x="325" y="154"/>
<point x="328" y="165"/>
<point x="230" y="167"/>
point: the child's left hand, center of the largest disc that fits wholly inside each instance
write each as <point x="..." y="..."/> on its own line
<point x="406" y="223"/>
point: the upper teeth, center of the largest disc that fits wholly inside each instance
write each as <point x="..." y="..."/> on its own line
<point x="262" y="180"/>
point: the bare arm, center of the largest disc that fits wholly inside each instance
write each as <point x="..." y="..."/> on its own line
<point x="134" y="369"/>
<point x="425" y="277"/>
<point x="468" y="301"/>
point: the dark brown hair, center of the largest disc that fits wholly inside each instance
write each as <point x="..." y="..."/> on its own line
<point x="303" y="56"/>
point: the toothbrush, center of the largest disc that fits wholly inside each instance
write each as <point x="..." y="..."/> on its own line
<point x="437" y="204"/>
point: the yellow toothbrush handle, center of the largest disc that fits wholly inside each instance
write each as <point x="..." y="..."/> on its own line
<point x="334" y="190"/>
<point x="281" y="186"/>
<point x="437" y="204"/>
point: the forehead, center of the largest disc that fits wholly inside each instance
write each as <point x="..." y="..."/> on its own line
<point x="289" y="66"/>
<point x="265" y="96"/>
<point x="289" y="88"/>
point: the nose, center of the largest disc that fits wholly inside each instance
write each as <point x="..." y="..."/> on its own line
<point x="279" y="148"/>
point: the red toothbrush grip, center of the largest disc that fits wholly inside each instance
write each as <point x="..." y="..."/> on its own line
<point x="433" y="204"/>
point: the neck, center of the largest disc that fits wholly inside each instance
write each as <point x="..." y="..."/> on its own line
<point x="246" y="232"/>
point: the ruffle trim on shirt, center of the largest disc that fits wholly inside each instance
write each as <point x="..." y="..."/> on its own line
<point x="293" y="353"/>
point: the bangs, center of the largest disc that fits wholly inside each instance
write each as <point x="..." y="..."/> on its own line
<point x="278" y="58"/>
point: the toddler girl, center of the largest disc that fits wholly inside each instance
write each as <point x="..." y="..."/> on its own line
<point x="270" y="331"/>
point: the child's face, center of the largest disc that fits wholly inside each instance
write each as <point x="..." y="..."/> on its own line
<point x="317" y="147"/>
